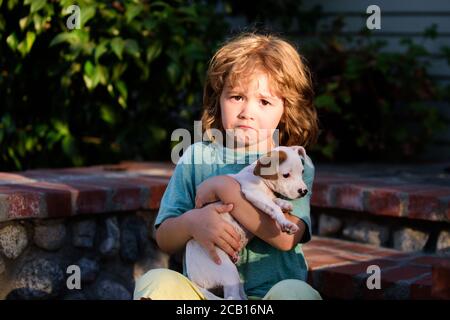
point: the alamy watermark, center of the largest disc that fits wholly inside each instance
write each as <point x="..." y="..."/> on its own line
<point x="374" y="20"/>
<point x="374" y="280"/>
<point x="74" y="20"/>
<point x="74" y="279"/>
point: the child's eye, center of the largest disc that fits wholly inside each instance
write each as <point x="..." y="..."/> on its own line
<point x="286" y="175"/>
<point x="265" y="102"/>
<point x="237" y="98"/>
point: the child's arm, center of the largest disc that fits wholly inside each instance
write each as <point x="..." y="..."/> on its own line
<point x="204" y="225"/>
<point x="254" y="220"/>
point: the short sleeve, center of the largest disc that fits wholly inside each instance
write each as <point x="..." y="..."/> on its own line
<point x="179" y="195"/>
<point x="302" y="205"/>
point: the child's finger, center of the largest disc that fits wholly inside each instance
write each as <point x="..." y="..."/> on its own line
<point x="222" y="243"/>
<point x="221" y="208"/>
<point x="231" y="240"/>
<point x="198" y="203"/>
<point x="232" y="231"/>
<point x="213" y="254"/>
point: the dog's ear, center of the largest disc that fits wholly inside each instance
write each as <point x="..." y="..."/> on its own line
<point x="300" y="150"/>
<point x="267" y="166"/>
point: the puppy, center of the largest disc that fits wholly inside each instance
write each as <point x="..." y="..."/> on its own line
<point x="278" y="172"/>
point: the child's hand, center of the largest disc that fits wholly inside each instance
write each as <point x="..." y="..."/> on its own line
<point x="205" y="193"/>
<point x="211" y="230"/>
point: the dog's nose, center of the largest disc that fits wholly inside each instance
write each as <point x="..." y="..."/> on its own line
<point x="302" y="192"/>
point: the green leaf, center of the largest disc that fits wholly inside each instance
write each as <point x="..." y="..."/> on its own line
<point x="132" y="10"/>
<point x="123" y="91"/>
<point x="25" y="46"/>
<point x="100" y="49"/>
<point x="12" y="4"/>
<point x="39" y="22"/>
<point x="12" y="41"/>
<point x="87" y="13"/>
<point x="69" y="37"/>
<point x="37" y="5"/>
<point x="122" y="87"/>
<point x="132" y="47"/>
<point x="102" y="74"/>
<point x="23" y="22"/>
<point x="173" y="71"/>
<point x="91" y="75"/>
<point x="117" y="45"/>
<point x="153" y="51"/>
<point x="68" y="145"/>
<point x="108" y="115"/>
<point x="118" y="70"/>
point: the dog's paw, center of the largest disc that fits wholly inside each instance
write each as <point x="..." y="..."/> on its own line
<point x="285" y="205"/>
<point x="289" y="227"/>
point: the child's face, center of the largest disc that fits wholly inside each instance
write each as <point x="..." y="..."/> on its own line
<point x="253" y="105"/>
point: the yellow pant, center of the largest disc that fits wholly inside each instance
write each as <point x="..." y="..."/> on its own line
<point x="166" y="284"/>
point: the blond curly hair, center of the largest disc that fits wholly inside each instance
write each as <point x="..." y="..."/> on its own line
<point x="287" y="72"/>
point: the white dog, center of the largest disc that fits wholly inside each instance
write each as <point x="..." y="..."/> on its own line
<point x="279" y="171"/>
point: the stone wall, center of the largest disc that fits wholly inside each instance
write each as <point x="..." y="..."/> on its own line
<point x="111" y="250"/>
<point x="397" y="233"/>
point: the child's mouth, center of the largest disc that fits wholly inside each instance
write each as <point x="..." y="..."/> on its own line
<point x="245" y="127"/>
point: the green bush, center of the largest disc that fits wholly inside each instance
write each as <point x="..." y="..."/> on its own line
<point x="114" y="89"/>
<point x="373" y="104"/>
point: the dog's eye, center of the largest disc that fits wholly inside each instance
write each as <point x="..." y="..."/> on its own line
<point x="286" y="175"/>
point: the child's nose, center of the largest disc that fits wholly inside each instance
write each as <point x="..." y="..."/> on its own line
<point x="247" y="110"/>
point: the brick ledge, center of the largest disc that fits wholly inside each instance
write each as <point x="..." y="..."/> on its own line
<point x="140" y="185"/>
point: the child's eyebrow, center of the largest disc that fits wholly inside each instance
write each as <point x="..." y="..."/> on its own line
<point x="235" y="90"/>
<point x="267" y="96"/>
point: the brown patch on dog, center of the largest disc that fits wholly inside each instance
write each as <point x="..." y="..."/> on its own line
<point x="218" y="291"/>
<point x="143" y="298"/>
<point x="271" y="156"/>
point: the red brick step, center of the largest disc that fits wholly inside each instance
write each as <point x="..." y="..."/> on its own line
<point x="338" y="269"/>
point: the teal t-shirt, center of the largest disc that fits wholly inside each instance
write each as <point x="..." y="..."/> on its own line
<point x="261" y="266"/>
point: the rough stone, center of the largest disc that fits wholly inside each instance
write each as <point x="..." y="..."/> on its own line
<point x="84" y="233"/>
<point x="39" y="279"/>
<point x="329" y="225"/>
<point x="110" y="290"/>
<point x="111" y="243"/>
<point x="50" y="236"/>
<point x="89" y="269"/>
<point x="13" y="240"/>
<point x="443" y="243"/>
<point x="367" y="232"/>
<point x="2" y="265"/>
<point x="129" y="241"/>
<point x="149" y="223"/>
<point x="408" y="239"/>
